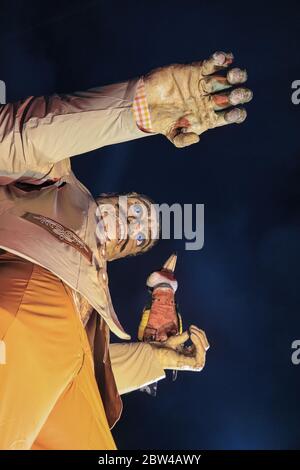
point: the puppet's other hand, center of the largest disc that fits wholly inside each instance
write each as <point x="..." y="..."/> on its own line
<point x="184" y="101"/>
<point x="172" y="354"/>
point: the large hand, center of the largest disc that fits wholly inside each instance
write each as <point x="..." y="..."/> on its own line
<point x="172" y="354"/>
<point x="182" y="99"/>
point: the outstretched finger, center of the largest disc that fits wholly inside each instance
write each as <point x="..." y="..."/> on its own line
<point x="231" y="98"/>
<point x="200" y="351"/>
<point x="214" y="83"/>
<point x="218" y="61"/>
<point x="194" y="329"/>
<point x="233" y="116"/>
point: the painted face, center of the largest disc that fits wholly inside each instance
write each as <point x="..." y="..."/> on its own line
<point x="128" y="224"/>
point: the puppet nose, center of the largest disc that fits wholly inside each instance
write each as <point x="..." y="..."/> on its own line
<point x="170" y="264"/>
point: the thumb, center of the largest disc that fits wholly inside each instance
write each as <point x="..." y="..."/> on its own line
<point x="184" y="139"/>
<point x="174" y="341"/>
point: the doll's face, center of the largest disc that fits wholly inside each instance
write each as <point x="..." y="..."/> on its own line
<point x="128" y="224"/>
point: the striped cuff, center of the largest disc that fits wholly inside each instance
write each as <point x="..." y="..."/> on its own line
<point x="140" y="108"/>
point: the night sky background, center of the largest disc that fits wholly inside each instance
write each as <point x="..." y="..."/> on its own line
<point x="242" y="288"/>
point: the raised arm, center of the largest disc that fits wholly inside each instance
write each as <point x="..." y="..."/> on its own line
<point x="41" y="131"/>
<point x="178" y="101"/>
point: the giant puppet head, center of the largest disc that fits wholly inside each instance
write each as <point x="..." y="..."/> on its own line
<point x="128" y="224"/>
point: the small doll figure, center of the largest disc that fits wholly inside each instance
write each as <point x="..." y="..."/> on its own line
<point x="161" y="319"/>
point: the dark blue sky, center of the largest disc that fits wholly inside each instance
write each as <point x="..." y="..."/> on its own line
<point x="243" y="286"/>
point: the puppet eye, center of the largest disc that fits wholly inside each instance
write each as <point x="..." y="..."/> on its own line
<point x="137" y="210"/>
<point x="140" y="239"/>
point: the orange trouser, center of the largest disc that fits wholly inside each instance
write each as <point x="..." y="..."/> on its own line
<point x="49" y="398"/>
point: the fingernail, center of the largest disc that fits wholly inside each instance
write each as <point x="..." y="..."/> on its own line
<point x="219" y="58"/>
<point x="240" y="96"/>
<point x="237" y="75"/>
<point x="237" y="115"/>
